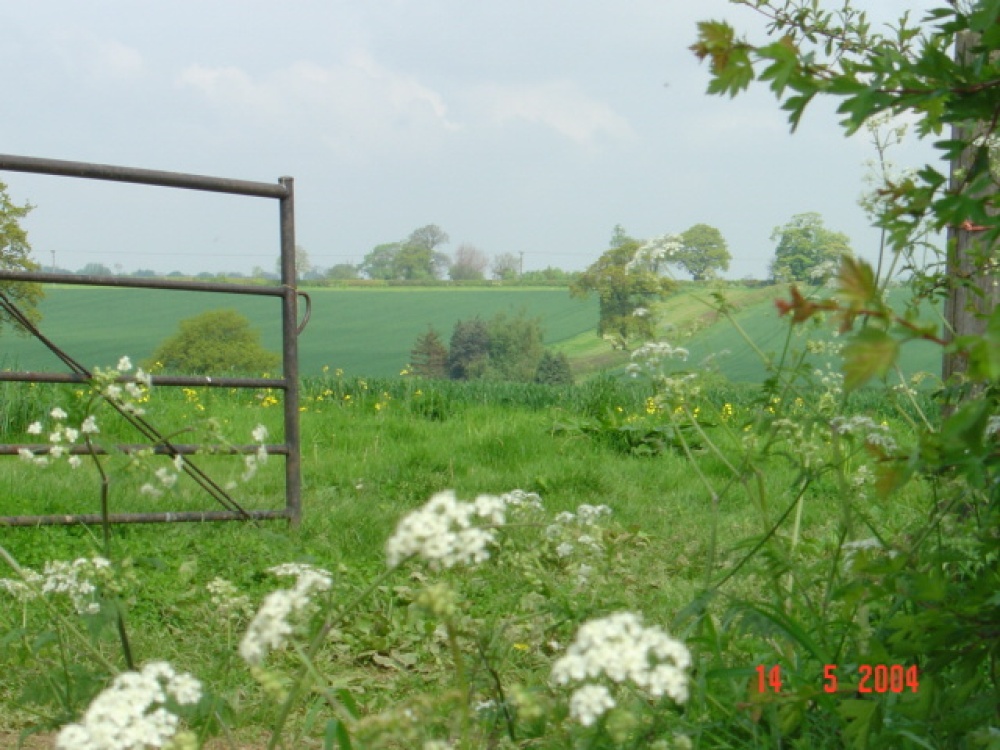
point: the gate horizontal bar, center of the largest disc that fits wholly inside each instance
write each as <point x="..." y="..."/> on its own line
<point x="194" y="381"/>
<point x="187" y="515"/>
<point x="141" y="176"/>
<point x="182" y="449"/>
<point x="136" y="283"/>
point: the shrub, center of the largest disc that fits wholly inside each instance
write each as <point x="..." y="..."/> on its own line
<point x="215" y="342"/>
<point x="554" y="369"/>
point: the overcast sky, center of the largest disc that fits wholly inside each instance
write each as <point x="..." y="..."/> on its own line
<point x="523" y="126"/>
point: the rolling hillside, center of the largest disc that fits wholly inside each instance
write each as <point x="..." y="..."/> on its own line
<point x="369" y="332"/>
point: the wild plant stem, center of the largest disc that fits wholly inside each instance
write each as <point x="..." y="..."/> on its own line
<point x="106" y="528"/>
<point x="314" y="647"/>
<point x="461" y="679"/>
<point x="84" y="641"/>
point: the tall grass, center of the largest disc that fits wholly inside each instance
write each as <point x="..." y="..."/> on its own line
<point x="374" y="449"/>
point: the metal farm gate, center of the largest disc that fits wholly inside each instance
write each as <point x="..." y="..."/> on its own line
<point x="287" y="293"/>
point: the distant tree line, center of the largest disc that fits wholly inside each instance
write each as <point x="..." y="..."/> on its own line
<point x="506" y="347"/>
<point x="805" y="250"/>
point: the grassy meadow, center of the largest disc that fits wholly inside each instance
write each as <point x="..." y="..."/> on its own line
<point x="374" y="449"/>
<point x="722" y="495"/>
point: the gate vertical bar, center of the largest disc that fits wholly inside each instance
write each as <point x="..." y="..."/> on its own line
<point x="290" y="354"/>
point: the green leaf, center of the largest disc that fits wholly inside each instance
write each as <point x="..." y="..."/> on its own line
<point x="870" y="353"/>
<point x="336" y="731"/>
<point x="984" y="355"/>
<point x="43" y="639"/>
<point x="785" y="63"/>
<point x="857" y="281"/>
<point x="348" y="702"/>
<point x="862" y="719"/>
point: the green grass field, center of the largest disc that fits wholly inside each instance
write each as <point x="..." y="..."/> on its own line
<point x="369" y="332"/>
<point x="374" y="449"/>
<point x="361" y="331"/>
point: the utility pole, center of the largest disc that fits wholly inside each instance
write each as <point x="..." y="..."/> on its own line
<point x="520" y="271"/>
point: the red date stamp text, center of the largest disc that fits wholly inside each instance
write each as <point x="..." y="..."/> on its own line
<point x="866" y="678"/>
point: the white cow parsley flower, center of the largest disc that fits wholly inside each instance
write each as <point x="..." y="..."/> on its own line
<point x="444" y="532"/>
<point x="621" y="649"/>
<point x="281" y="610"/>
<point x="132" y="713"/>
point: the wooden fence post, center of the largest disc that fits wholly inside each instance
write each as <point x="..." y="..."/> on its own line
<point x="973" y="270"/>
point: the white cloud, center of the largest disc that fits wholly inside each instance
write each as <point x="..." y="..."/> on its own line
<point x="98" y="58"/>
<point x="356" y="101"/>
<point x="558" y="105"/>
<point x="119" y="60"/>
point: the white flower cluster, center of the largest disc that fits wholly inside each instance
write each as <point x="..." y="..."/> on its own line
<point x="128" y="395"/>
<point x="823" y="346"/>
<point x="655" y="251"/>
<point x="993" y="426"/>
<point x="873" y="433"/>
<point x="165" y="478"/>
<point x="227" y="599"/>
<point x="253" y="461"/>
<point x="281" y="610"/>
<point x="620" y="648"/>
<point x="649" y="357"/>
<point x="75" y="580"/>
<point x="862" y="478"/>
<point x="61" y="437"/>
<point x="589" y="703"/>
<point x="25" y="590"/>
<point x="572" y="532"/>
<point x="868" y="547"/>
<point x="517" y="500"/>
<point x="132" y="713"/>
<point x="443" y="531"/>
<point x="823" y="271"/>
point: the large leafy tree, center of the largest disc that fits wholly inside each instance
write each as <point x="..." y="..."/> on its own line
<point x="342" y="272"/>
<point x="806" y="250"/>
<point x="626" y="280"/>
<point x="470" y="263"/>
<point x="414" y="258"/>
<point x="703" y="252"/>
<point x="380" y="262"/>
<point x="15" y="255"/>
<point x="216" y="342"/>
<point x="506" y="267"/>
<point x="418" y="257"/>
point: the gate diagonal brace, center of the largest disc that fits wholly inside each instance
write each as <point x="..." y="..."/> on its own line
<point x="158" y="442"/>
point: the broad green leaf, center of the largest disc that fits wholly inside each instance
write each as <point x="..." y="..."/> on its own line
<point x="870" y="353"/>
<point x="857" y="281"/>
<point x="784" y="63"/>
<point x="862" y="719"/>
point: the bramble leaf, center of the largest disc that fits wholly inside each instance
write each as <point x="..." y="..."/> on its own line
<point x="862" y="719"/>
<point x="857" y="281"/>
<point x="871" y="352"/>
<point x="730" y="62"/>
